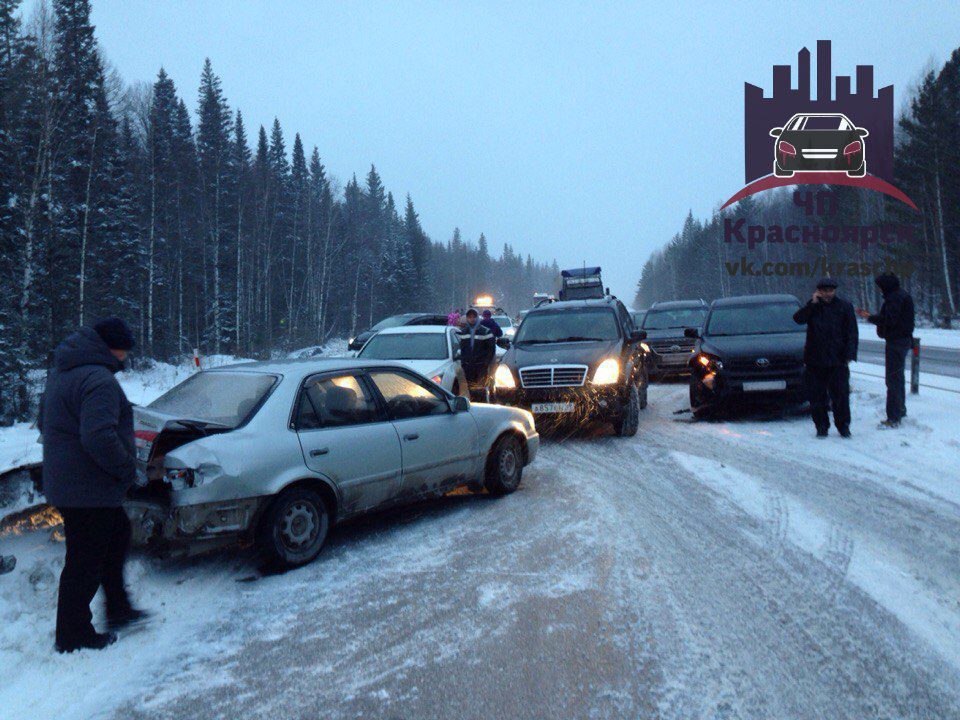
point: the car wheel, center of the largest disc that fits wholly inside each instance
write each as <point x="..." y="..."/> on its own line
<point x="629" y="421"/>
<point x="504" y="466"/>
<point x="698" y="403"/>
<point x="294" y="528"/>
<point x="780" y="172"/>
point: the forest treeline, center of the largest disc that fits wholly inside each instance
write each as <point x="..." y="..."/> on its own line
<point x="169" y="211"/>
<point x="696" y="262"/>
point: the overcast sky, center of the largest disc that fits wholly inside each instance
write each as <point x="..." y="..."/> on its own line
<point x="577" y="131"/>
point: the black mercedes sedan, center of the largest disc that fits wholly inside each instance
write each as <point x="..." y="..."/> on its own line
<point x="819" y="142"/>
<point x="749" y="352"/>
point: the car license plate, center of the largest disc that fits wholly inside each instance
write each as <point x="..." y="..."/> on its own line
<point x="676" y="358"/>
<point x="762" y="385"/>
<point x="558" y="407"/>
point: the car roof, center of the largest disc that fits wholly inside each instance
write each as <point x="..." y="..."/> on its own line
<point x="754" y="300"/>
<point x="415" y="329"/>
<point x="677" y="304"/>
<point x="607" y="302"/>
<point x="307" y="366"/>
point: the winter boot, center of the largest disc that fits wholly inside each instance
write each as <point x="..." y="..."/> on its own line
<point x="97" y="641"/>
<point x="126" y="617"/>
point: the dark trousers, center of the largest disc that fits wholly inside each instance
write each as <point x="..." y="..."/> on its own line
<point x="97" y="543"/>
<point x="895" y="357"/>
<point x="828" y="385"/>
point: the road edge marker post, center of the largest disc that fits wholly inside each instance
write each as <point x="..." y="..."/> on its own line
<point x="196" y="359"/>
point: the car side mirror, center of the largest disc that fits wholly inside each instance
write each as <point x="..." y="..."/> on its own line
<point x="691" y="333"/>
<point x="638" y="335"/>
<point x="862" y="132"/>
<point x="504" y="342"/>
<point x="776" y="132"/>
<point x="460" y="404"/>
<point x="457" y="353"/>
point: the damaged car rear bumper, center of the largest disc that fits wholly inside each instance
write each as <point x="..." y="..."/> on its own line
<point x="155" y="525"/>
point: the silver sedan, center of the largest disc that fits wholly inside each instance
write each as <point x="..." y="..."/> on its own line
<point x="276" y="452"/>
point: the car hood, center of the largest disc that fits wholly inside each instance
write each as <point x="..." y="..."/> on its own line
<point x="427" y="368"/>
<point x="735" y="346"/>
<point x="573" y="353"/>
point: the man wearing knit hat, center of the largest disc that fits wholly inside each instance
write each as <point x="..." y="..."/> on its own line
<point x="89" y="462"/>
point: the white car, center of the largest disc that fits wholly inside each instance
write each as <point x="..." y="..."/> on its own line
<point x="431" y="350"/>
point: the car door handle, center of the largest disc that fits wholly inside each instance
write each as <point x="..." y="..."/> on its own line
<point x="411" y="436"/>
<point x="319" y="451"/>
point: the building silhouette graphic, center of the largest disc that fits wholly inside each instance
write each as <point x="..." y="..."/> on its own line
<point x="861" y="107"/>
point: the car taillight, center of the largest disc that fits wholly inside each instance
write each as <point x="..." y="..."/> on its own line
<point x="786" y="148"/>
<point x="143" y="440"/>
<point x="852" y="148"/>
<point x="437" y="379"/>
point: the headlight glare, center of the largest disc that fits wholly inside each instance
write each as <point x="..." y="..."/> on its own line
<point x="607" y="373"/>
<point x="503" y="378"/>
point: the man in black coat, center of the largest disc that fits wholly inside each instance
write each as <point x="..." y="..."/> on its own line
<point x="831" y="343"/>
<point x="477" y="349"/>
<point x="89" y="462"/>
<point x="895" y="323"/>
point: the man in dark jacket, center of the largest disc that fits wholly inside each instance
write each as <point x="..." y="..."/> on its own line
<point x="89" y="462"/>
<point x="894" y="323"/>
<point x="477" y="349"/>
<point x="831" y="343"/>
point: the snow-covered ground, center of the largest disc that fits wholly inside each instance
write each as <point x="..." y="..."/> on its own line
<point x="722" y="570"/>
<point x="929" y="337"/>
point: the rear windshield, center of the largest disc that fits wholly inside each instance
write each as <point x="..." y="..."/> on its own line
<point x="222" y="398"/>
<point x="569" y="326"/>
<point x="392" y="321"/>
<point x="753" y="319"/>
<point x="675" y="318"/>
<point x="406" y="346"/>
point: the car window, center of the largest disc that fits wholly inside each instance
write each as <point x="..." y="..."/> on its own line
<point x="569" y="326"/>
<point x="430" y="320"/>
<point x="503" y="321"/>
<point x="328" y="402"/>
<point x="406" y="346"/>
<point x="221" y="398"/>
<point x="407" y="397"/>
<point x="674" y="318"/>
<point x="824" y="122"/>
<point x="753" y="319"/>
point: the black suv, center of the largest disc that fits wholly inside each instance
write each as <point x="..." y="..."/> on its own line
<point x="665" y="324"/>
<point x="357" y="343"/>
<point x="577" y="360"/>
<point x="749" y="349"/>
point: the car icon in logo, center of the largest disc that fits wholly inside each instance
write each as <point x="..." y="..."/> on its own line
<point x="675" y="348"/>
<point x="762" y="362"/>
<point x="819" y="142"/>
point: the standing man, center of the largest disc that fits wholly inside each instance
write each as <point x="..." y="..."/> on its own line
<point x="477" y="349"/>
<point x="89" y="462"/>
<point x="895" y="325"/>
<point x="491" y="324"/>
<point x="831" y="343"/>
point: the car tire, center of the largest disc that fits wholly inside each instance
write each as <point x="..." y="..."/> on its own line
<point x="780" y="172"/>
<point x="504" y="466"/>
<point x="629" y="421"/>
<point x="294" y="528"/>
<point x="698" y="404"/>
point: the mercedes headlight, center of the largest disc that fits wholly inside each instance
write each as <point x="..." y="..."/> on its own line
<point x="503" y="378"/>
<point x="607" y="373"/>
<point x="646" y="348"/>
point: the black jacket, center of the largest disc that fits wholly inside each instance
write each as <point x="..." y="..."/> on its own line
<point x="481" y="351"/>
<point x="832" y="334"/>
<point x="896" y="317"/>
<point x="89" y="457"/>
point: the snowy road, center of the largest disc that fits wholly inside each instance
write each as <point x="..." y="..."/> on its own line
<point x="723" y="570"/>
<point x="933" y="360"/>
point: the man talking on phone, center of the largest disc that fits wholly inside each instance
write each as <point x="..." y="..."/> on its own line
<point x="832" y="338"/>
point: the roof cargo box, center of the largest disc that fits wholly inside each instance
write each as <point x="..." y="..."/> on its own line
<point x="581" y="284"/>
